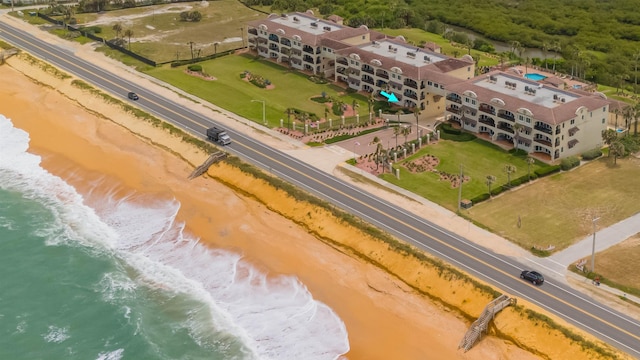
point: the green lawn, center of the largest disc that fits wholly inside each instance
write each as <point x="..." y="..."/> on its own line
<point x="229" y="91"/>
<point x="558" y="210"/>
<point x="478" y="159"/>
<point x="417" y="35"/>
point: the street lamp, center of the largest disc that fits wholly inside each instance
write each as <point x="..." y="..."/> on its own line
<point x="264" y="119"/>
<point x="593" y="246"/>
<point x="354" y="151"/>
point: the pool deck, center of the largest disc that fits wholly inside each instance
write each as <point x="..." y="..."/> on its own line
<point x="562" y="81"/>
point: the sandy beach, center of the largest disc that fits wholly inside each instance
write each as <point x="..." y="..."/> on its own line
<point x="385" y="319"/>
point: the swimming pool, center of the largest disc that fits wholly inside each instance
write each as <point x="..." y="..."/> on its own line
<point x="534" y="76"/>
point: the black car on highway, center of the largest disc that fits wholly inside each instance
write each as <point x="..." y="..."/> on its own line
<point x="533" y="276"/>
<point x="133" y="96"/>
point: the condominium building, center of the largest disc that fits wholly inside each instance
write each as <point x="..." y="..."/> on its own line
<point x="537" y="118"/>
<point x="364" y="60"/>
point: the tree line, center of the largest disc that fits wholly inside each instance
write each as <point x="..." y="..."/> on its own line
<point x="595" y="40"/>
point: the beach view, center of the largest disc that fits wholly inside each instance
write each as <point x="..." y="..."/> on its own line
<point x="113" y="250"/>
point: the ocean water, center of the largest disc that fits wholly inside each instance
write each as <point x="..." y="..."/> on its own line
<point x="121" y="279"/>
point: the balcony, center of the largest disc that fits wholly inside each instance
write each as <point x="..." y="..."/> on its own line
<point x="487" y="109"/>
<point x="506" y="127"/>
<point x="543" y="142"/>
<point x="544" y="129"/>
<point x="367" y="79"/>
<point x="354" y="72"/>
<point x="383" y="74"/>
<point x="274" y="47"/>
<point x="262" y="40"/>
<point x="410" y="83"/>
<point x="506" y="116"/>
<point x="487" y="121"/>
<point x="453" y="110"/>
<point x="285" y="42"/>
<point x="367" y="69"/>
<point x="411" y="95"/>
<point x="253" y="31"/>
<point x="307" y="49"/>
<point x="342" y="61"/>
<point x="381" y="84"/>
<point x="286" y="52"/>
<point x="274" y="38"/>
<point x="308" y="59"/>
<point x="296" y="52"/>
<point x="454" y="98"/>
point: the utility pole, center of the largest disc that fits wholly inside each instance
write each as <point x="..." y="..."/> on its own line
<point x="593" y="246"/>
<point x="264" y="120"/>
<point x="460" y="188"/>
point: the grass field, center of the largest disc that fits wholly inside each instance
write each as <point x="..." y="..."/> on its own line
<point x="159" y="34"/>
<point x="618" y="265"/>
<point x="558" y="210"/>
<point x="478" y="159"/>
<point x="229" y="91"/>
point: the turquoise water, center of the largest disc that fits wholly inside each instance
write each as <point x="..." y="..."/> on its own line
<point x="535" y="76"/>
<point x="92" y="276"/>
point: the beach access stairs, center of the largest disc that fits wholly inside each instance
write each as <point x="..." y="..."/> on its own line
<point x="482" y="323"/>
<point x="5" y="54"/>
<point x="215" y="157"/>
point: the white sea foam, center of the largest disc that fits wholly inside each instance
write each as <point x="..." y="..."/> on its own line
<point x="56" y="334"/>
<point x="276" y="317"/>
<point x="111" y="355"/>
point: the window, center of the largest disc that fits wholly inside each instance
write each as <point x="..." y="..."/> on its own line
<point x="473" y="102"/>
<point x="468" y="68"/>
<point x="363" y="36"/>
<point x="573" y="121"/>
<point x="429" y="83"/>
<point x="393" y="76"/>
<point x="603" y="120"/>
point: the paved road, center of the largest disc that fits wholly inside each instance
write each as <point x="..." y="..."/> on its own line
<point x="500" y="271"/>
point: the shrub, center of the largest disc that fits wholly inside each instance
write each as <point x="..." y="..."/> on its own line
<point x="591" y="154"/>
<point x="547" y="170"/>
<point x="497" y="190"/>
<point x="195" y="68"/>
<point x="569" y="163"/>
<point x="480" y="198"/>
<point x="337" y="108"/>
<point x="320" y="99"/>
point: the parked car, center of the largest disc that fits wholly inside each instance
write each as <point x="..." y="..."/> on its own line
<point x="133" y="96"/>
<point x="533" y="276"/>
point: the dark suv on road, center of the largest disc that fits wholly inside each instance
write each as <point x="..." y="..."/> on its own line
<point x="133" y="96"/>
<point x="533" y="276"/>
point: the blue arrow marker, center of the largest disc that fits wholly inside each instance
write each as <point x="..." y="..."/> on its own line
<point x="391" y="97"/>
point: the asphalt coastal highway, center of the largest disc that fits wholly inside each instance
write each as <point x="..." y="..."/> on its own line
<point x="502" y="272"/>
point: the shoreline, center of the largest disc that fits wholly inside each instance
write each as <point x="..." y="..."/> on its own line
<point x="364" y="297"/>
<point x="396" y="334"/>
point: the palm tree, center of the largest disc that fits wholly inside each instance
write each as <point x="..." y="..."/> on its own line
<point x="326" y="113"/>
<point x="609" y="136"/>
<point x="530" y="161"/>
<point x="416" y="113"/>
<point x="545" y="49"/>
<point x="509" y="169"/>
<point x="406" y="130"/>
<point x="380" y="155"/>
<point x="118" y="29"/>
<point x="628" y="113"/>
<point x="557" y="49"/>
<point x="636" y="114"/>
<point x="354" y="106"/>
<point x="617" y="148"/>
<point x="489" y="180"/>
<point x="516" y="128"/>
<point x="129" y="33"/>
<point x="370" y="102"/>
<point x="397" y="131"/>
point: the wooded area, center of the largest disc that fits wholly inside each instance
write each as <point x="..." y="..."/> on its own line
<point x="597" y="40"/>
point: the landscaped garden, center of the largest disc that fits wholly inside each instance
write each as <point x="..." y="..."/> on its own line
<point x="234" y="90"/>
<point x="478" y="159"/>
